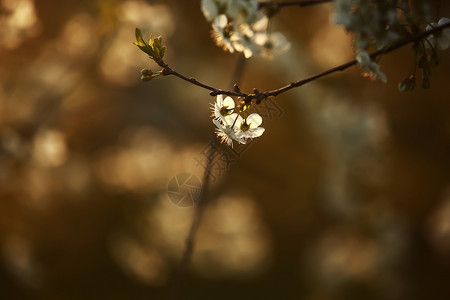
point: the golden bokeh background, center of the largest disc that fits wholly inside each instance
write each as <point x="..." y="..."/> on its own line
<point x="345" y="196"/>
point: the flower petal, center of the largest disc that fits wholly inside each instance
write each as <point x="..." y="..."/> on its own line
<point x="254" y="120"/>
<point x="221" y="21"/>
<point x="257" y="132"/>
<point x="238" y="122"/>
<point x="240" y="140"/>
<point x="209" y="9"/>
<point x="218" y="124"/>
<point x="431" y="26"/>
<point x="229" y="102"/>
<point x="443" y="43"/>
<point x="261" y="25"/>
<point x="443" y="21"/>
<point x="229" y="120"/>
<point x="219" y="100"/>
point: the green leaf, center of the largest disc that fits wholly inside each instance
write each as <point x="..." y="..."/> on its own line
<point x="143" y="45"/>
<point x="153" y="47"/>
<point x="139" y="40"/>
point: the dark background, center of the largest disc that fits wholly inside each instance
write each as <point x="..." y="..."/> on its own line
<point x="345" y="196"/>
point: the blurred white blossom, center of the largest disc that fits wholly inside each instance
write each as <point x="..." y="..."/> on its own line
<point x="211" y="8"/>
<point x="222" y="32"/>
<point x="272" y="44"/>
<point x="442" y="38"/>
<point x="243" y="41"/>
<point x="239" y="25"/>
<point x="370" y="66"/>
<point x="375" y="24"/>
<point x="241" y="11"/>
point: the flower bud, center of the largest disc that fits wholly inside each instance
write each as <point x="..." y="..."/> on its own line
<point x="426" y="72"/>
<point x="146" y="78"/>
<point x="402" y="86"/>
<point x="411" y="83"/>
<point x="165" y="72"/>
<point x="407" y="84"/>
<point x="146" y="72"/>
<point x="244" y="105"/>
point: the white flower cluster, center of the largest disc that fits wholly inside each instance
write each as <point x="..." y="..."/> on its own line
<point x="374" y="24"/>
<point x="231" y="126"/>
<point x="370" y="66"/>
<point x="239" y="25"/>
<point x="441" y="39"/>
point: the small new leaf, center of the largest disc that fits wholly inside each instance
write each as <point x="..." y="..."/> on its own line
<point x="153" y="47"/>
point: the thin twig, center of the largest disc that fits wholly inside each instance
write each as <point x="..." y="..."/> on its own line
<point x="238" y="70"/>
<point x="259" y="96"/>
<point x="351" y="63"/>
<point x="214" y="91"/>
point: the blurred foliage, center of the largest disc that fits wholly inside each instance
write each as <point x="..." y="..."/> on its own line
<point x="346" y="196"/>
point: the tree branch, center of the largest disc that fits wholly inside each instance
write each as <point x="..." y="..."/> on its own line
<point x="354" y="62"/>
<point x="214" y="91"/>
<point x="260" y="96"/>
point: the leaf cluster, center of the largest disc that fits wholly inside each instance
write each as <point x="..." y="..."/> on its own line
<point x="153" y="47"/>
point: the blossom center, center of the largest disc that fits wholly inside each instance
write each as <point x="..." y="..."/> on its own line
<point x="228" y="30"/>
<point x="225" y="111"/>
<point x="245" y="127"/>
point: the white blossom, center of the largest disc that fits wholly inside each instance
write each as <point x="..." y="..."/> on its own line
<point x="227" y="130"/>
<point x="244" y="41"/>
<point x="442" y="38"/>
<point x="272" y="44"/>
<point x="241" y="11"/>
<point x="249" y="128"/>
<point x="374" y="23"/>
<point x="231" y="126"/>
<point x="342" y="13"/>
<point x="212" y="8"/>
<point x="239" y="25"/>
<point x="222" y="108"/>
<point x="370" y="66"/>
<point x="222" y="32"/>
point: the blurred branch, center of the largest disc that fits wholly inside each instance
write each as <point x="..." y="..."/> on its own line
<point x="260" y="96"/>
<point x="238" y="70"/>
<point x="202" y="202"/>
<point x="190" y="240"/>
